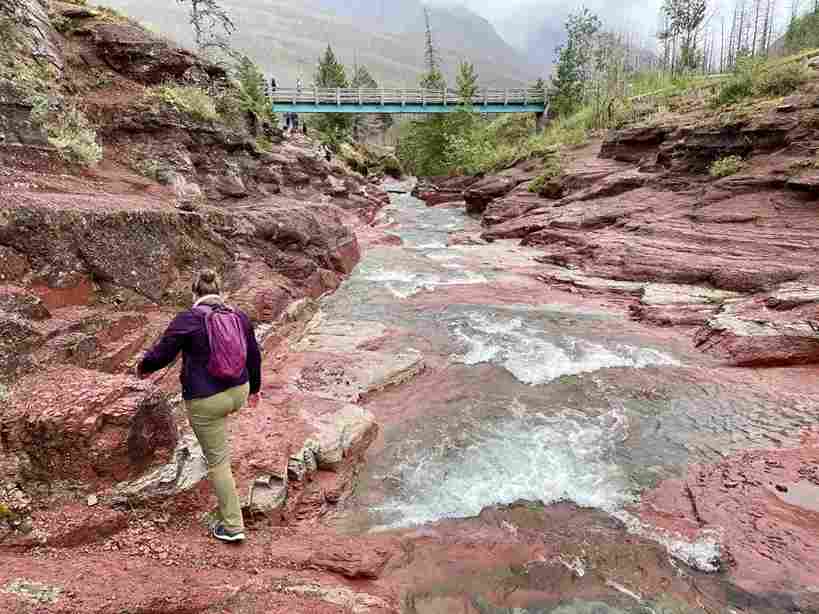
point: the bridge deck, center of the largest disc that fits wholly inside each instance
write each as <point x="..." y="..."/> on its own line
<point x="349" y="100"/>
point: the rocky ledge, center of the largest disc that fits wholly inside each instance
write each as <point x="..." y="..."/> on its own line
<point x="637" y="216"/>
<point x="95" y="262"/>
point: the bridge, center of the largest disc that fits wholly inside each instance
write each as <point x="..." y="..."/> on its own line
<point x="415" y="101"/>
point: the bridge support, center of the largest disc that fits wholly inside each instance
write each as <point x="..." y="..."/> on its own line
<point x="541" y="121"/>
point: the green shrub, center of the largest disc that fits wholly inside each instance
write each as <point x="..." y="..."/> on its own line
<point x="725" y="167"/>
<point x="264" y="144"/>
<point x="738" y="87"/>
<point x="148" y="168"/>
<point x="73" y="136"/>
<point x="754" y="78"/>
<point x="544" y="184"/>
<point x="781" y="80"/>
<point x="191" y="101"/>
<point x="61" y="23"/>
<point x="229" y="107"/>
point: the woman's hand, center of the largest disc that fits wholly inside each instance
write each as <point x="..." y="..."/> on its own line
<point x="253" y="400"/>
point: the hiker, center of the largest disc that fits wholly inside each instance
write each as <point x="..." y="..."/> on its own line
<point x="298" y="85"/>
<point x="221" y="373"/>
<point x="273" y="85"/>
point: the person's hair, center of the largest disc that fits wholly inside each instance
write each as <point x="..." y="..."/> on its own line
<point x="207" y="281"/>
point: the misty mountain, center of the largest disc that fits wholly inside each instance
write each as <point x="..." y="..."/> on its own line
<point x="286" y="38"/>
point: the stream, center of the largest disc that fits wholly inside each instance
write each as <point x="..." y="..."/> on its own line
<point x="531" y="398"/>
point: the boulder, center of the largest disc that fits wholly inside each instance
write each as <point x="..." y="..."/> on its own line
<point x="633" y="144"/>
<point x="18" y="301"/>
<point x="343" y="436"/>
<point x="480" y="194"/>
<point x="91" y="427"/>
<point x="16" y="126"/>
<point x="146" y="58"/>
<point x="18" y="338"/>
<point x="185" y="468"/>
<point x="766" y="330"/>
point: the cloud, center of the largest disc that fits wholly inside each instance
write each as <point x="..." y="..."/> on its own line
<point x="516" y="19"/>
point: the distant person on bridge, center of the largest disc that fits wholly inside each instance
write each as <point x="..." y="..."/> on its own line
<point x="273" y="85"/>
<point x="298" y="85"/>
<point x="221" y="373"/>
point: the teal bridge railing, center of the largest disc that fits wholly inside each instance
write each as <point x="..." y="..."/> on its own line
<point x="415" y="101"/>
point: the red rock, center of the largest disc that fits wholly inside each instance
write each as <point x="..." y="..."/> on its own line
<point x="480" y="194"/>
<point x="353" y="559"/>
<point x="767" y="330"/>
<point x="92" y="426"/>
<point x="767" y="535"/>
<point x="633" y="144"/>
<point x="69" y="527"/>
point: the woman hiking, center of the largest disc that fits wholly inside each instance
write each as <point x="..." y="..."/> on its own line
<point x="221" y="372"/>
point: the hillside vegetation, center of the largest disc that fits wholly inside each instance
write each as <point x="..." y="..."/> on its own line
<point x="596" y="87"/>
<point x="285" y="38"/>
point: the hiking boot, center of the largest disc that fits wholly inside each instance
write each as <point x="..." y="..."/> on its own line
<point x="222" y="534"/>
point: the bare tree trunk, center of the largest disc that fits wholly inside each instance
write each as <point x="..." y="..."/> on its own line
<point x="741" y="37"/>
<point x="756" y="26"/>
<point x="722" y="47"/>
<point x="771" y="22"/>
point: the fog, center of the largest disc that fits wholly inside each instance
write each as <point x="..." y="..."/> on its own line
<point x="515" y="19"/>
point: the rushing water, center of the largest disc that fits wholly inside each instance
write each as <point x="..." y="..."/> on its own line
<point x="543" y="402"/>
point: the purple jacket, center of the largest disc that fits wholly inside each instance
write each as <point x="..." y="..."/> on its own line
<point x="187" y="334"/>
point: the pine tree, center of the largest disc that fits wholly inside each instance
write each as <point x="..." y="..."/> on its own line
<point x="252" y="87"/>
<point x="467" y="81"/>
<point x="433" y="79"/>
<point x="362" y="79"/>
<point x="331" y="74"/>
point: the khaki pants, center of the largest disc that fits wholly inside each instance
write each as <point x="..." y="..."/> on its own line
<point x="207" y="418"/>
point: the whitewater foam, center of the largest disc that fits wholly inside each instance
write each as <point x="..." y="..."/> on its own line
<point x="535" y="358"/>
<point x="703" y="553"/>
<point x="403" y="284"/>
<point x="536" y="457"/>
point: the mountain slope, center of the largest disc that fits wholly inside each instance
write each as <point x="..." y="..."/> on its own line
<point x="286" y="38"/>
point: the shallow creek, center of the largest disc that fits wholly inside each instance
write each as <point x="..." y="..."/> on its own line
<point x="530" y="396"/>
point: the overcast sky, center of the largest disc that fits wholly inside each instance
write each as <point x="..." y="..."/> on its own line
<point x="632" y="15"/>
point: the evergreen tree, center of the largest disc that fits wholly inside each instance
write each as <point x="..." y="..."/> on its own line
<point x="467" y="81"/>
<point x="252" y="88"/>
<point x="433" y="79"/>
<point x="362" y="79"/>
<point x="331" y="74"/>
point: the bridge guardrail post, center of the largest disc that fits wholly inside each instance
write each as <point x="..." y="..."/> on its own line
<point x="338" y="96"/>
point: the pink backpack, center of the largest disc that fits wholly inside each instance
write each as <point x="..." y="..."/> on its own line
<point x="227" y="340"/>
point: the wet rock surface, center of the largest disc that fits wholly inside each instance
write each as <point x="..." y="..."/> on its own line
<point x="639" y="209"/>
<point x="764" y="507"/>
